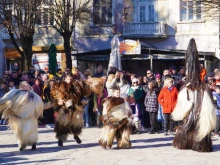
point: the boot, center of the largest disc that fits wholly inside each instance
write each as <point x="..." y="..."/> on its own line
<point x="60" y="143"/>
<point x="77" y="139"/>
<point x="34" y="146"/>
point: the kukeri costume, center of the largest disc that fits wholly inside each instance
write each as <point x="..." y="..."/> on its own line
<point x="22" y="108"/>
<point x="69" y="117"/>
<point x="195" y="107"/>
<point x="116" y="123"/>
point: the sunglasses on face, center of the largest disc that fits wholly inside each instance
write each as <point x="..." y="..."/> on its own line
<point x="148" y="73"/>
<point x="135" y="82"/>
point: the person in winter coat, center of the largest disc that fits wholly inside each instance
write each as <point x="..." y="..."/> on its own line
<point x="151" y="104"/>
<point x="167" y="99"/>
<point x="136" y="93"/>
<point x="113" y="81"/>
<point x="216" y="98"/>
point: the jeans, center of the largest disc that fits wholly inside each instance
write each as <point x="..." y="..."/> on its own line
<point x="168" y="122"/>
<point x="217" y="127"/>
<point x="153" y="121"/>
<point x="86" y="114"/>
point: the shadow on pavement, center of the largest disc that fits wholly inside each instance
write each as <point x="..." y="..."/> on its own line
<point x="49" y="130"/>
<point x="151" y="146"/>
<point x="12" y="161"/>
<point x="216" y="147"/>
<point x="3" y="127"/>
<point x="152" y="140"/>
<point x="44" y="149"/>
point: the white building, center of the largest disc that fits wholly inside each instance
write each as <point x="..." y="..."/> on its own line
<point x="165" y="26"/>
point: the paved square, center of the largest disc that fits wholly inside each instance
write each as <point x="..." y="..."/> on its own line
<point x="147" y="149"/>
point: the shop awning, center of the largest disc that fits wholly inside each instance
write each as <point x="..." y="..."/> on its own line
<point x="12" y="53"/>
<point x="146" y="54"/>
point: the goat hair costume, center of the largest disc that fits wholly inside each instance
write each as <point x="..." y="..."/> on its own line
<point x="23" y="108"/>
<point x="69" y="118"/>
<point x="194" y="107"/>
<point x="117" y="123"/>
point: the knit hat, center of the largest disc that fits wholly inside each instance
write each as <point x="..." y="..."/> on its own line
<point x="158" y="76"/>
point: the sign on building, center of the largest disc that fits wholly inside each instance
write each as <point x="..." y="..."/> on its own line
<point x="40" y="61"/>
<point x="130" y="47"/>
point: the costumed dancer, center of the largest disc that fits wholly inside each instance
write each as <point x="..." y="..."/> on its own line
<point x="68" y="100"/>
<point x="116" y="122"/>
<point x="22" y="107"/>
<point x="195" y="107"/>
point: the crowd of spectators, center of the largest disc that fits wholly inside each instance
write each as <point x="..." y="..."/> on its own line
<point x="152" y="97"/>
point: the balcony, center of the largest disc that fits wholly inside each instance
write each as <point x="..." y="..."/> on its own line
<point x="145" y="30"/>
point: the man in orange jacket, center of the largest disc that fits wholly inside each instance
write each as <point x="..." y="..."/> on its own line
<point x="202" y="72"/>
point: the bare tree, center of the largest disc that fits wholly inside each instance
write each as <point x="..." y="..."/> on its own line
<point x="66" y="14"/>
<point x="18" y="18"/>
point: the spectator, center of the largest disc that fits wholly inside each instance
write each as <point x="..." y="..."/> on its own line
<point x="98" y="107"/>
<point x="59" y="75"/>
<point x="216" y="98"/>
<point x="137" y="93"/>
<point x="11" y="85"/>
<point x="38" y="87"/>
<point x="112" y="82"/>
<point x="165" y="74"/>
<point x="4" y="89"/>
<point x="87" y="74"/>
<point x="78" y="75"/>
<point x="167" y="99"/>
<point x="212" y="84"/>
<point x="210" y="76"/>
<point x="124" y="88"/>
<point x="174" y="75"/>
<point x="112" y="70"/>
<point x="145" y="80"/>
<point x="150" y="75"/>
<point x="202" y="73"/>
<point x="49" y="113"/>
<point x="159" y="83"/>
<point x="99" y="72"/>
<point x="151" y="104"/>
<point x="15" y="79"/>
<point x="31" y="71"/>
<point x="217" y="77"/>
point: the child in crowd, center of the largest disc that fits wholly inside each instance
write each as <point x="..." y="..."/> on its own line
<point x="167" y="99"/>
<point x="98" y="107"/>
<point x="216" y="97"/>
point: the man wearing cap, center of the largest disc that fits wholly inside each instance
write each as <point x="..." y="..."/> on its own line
<point x="174" y="75"/>
<point x="210" y="76"/>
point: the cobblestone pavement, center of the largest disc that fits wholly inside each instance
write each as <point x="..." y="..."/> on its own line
<point x="146" y="148"/>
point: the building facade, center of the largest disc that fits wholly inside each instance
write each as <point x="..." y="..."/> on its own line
<point x="44" y="36"/>
<point x="163" y="25"/>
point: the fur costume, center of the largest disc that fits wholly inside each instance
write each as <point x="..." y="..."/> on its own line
<point x="117" y="123"/>
<point x="195" y="107"/>
<point x="69" y="118"/>
<point x="22" y="108"/>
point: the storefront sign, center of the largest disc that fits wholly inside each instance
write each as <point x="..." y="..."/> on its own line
<point x="130" y="47"/>
<point x="40" y="61"/>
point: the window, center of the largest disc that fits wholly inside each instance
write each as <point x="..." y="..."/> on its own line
<point x="102" y="12"/>
<point x="146" y="11"/>
<point x="8" y="6"/>
<point x="190" y="10"/>
<point x="44" y="15"/>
